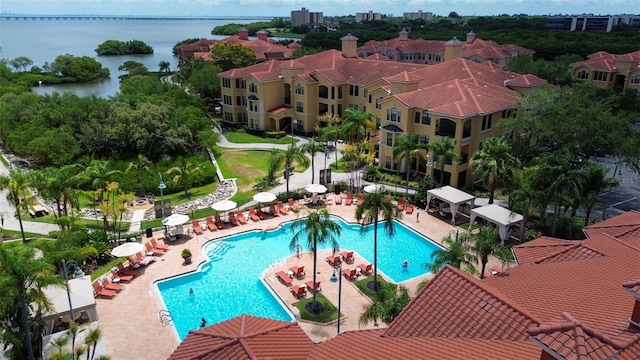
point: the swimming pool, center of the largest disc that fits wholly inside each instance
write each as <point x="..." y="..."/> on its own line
<point x="228" y="285"/>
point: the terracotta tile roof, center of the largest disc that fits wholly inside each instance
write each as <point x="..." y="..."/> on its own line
<point x="625" y="227"/>
<point x="370" y="344"/>
<point x="633" y="287"/>
<point x="279" y="109"/>
<point x="540" y="248"/>
<point x="245" y="337"/>
<point x="261" y="47"/>
<point x="456" y="305"/>
<point x="599" y="64"/>
<point x="528" y="80"/>
<point x="377" y="56"/>
<point x="405" y="77"/>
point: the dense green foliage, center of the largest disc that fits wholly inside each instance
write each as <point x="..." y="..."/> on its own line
<point x="253" y="28"/>
<point x="230" y="56"/>
<point x="117" y="47"/>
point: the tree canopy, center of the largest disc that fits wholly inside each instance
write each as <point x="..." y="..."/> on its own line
<point x="117" y="47"/>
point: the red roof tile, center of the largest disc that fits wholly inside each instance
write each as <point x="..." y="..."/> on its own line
<point x="245" y="337"/>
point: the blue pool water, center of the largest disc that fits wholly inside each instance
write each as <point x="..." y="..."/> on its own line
<point x="228" y="285"/>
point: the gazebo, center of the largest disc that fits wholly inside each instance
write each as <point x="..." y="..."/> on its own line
<point x="452" y="196"/>
<point x="81" y="293"/>
<point x="503" y="218"/>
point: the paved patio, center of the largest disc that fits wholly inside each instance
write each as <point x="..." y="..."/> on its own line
<point x="133" y="314"/>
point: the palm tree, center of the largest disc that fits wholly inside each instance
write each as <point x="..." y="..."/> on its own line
<point x="183" y="172"/>
<point x="100" y="173"/>
<point x="443" y="153"/>
<point x="316" y="228"/>
<point x="293" y="153"/>
<point x="456" y="254"/>
<point x="495" y="165"/>
<point x="164" y="66"/>
<point x="17" y="183"/>
<point x="332" y="132"/>
<point x="594" y="180"/>
<point x="141" y="165"/>
<point x="312" y="148"/>
<point x="92" y="341"/>
<point x="357" y="122"/>
<point x="409" y="147"/>
<point x="22" y="279"/>
<point x="387" y="304"/>
<point x="375" y="207"/>
<point x="486" y="243"/>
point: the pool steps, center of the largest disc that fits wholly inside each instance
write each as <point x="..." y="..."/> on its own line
<point x="218" y="252"/>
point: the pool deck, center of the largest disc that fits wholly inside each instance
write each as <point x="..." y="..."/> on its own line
<point x="129" y="319"/>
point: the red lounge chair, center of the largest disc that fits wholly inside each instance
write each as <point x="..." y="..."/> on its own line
<point x="298" y="271"/>
<point x="106" y="284"/>
<point x="273" y="211"/>
<point x="350" y="274"/>
<point x="155" y="244"/>
<point x="232" y="219"/>
<point x="124" y="271"/>
<point x="240" y="217"/>
<point x="312" y="288"/>
<point x="347" y="256"/>
<point x="144" y="260"/>
<point x="218" y="222"/>
<point x="210" y="225"/>
<point x="281" y="208"/>
<point x="349" y="199"/>
<point x="365" y="269"/>
<point x="260" y="213"/>
<point x="299" y="291"/>
<point x="360" y="199"/>
<point x="292" y="205"/>
<point x="100" y="291"/>
<point x="253" y="215"/>
<point x="409" y="209"/>
<point x="338" y="199"/>
<point x="401" y="204"/>
<point x="284" y="278"/>
<point x="151" y="250"/>
<point x="334" y="260"/>
<point x="122" y="277"/>
<point x="196" y="227"/>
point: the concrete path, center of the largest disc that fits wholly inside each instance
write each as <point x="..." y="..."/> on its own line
<point x="136" y="220"/>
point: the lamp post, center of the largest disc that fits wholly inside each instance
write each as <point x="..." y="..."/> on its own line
<point x="326" y="156"/>
<point x="162" y="186"/>
<point x="77" y="273"/>
<point x="339" y="294"/>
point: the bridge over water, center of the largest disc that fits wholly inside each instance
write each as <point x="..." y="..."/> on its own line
<point x="4" y="17"/>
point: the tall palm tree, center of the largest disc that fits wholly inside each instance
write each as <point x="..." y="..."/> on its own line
<point x="375" y="207"/>
<point x="357" y="123"/>
<point x="332" y="132"/>
<point x="293" y="153"/>
<point x="409" y="148"/>
<point x="312" y="148"/>
<point x="164" y="66"/>
<point x="59" y="186"/>
<point x="495" y="165"/>
<point x="22" y="279"/>
<point x="387" y="304"/>
<point x="92" y="341"/>
<point x="457" y="254"/>
<point x="443" y="153"/>
<point x="183" y="172"/>
<point x="99" y="173"/>
<point x="142" y="166"/>
<point x="17" y="183"/>
<point x="594" y="180"/>
<point x="485" y="243"/>
<point x="316" y="228"/>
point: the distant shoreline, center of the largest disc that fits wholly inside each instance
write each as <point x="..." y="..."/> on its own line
<point x="128" y="17"/>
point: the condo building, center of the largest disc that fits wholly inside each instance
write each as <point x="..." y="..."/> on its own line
<point x="609" y="71"/>
<point x="306" y="17"/>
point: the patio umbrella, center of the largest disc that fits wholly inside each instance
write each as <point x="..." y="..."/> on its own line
<point x="127" y="249"/>
<point x="316" y="189"/>
<point x="264" y="197"/>
<point x="175" y="220"/>
<point x="374" y="188"/>
<point x="224" y="205"/>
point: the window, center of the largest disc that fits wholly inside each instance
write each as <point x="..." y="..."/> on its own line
<point x="393" y="114"/>
<point x="421" y="56"/>
<point x="599" y="76"/>
<point x="339" y="92"/>
<point x="241" y="101"/>
<point x="379" y="103"/>
<point x="506" y="113"/>
<point x="389" y="139"/>
<point x="228" y="117"/>
<point x="426" y="117"/>
<point x="299" y="89"/>
<point x="365" y="93"/>
<point x="387" y="162"/>
<point x="378" y="121"/>
<point x="242" y="118"/>
<point x="253" y="105"/>
<point x="226" y="99"/>
<point x="241" y="84"/>
<point x="424" y="139"/>
<point x="430" y="57"/>
<point x="486" y="122"/>
<point x="417" y="118"/>
<point x="299" y="106"/>
<point x="438" y="58"/>
<point x="353" y="106"/>
<point x="226" y="83"/>
<point x="253" y="88"/>
<point x="354" y="90"/>
<point x="391" y="56"/>
<point x="583" y="75"/>
<point x="635" y="79"/>
<point x="299" y="125"/>
<point x="405" y="56"/>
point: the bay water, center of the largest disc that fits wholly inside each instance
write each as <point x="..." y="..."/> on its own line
<point x="43" y="40"/>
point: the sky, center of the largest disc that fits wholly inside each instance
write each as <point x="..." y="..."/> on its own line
<point x="283" y="8"/>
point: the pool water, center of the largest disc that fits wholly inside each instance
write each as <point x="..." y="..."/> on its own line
<point x="228" y="285"/>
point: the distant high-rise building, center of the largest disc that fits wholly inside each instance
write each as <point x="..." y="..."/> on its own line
<point x="418" y="15"/>
<point x="589" y="22"/>
<point x="368" y="16"/>
<point x="306" y="17"/>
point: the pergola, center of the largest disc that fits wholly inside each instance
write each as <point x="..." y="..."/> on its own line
<point x="452" y="196"/>
<point x="81" y="292"/>
<point x="503" y="218"/>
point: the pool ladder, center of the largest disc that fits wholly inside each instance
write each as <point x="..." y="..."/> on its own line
<point x="165" y="317"/>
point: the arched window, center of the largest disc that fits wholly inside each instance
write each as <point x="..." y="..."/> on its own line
<point x="253" y="87"/>
<point x="393" y="114"/>
<point x="299" y="89"/>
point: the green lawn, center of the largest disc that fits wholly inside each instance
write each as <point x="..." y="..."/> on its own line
<point x="362" y="285"/>
<point x="244" y="138"/>
<point x="329" y="314"/>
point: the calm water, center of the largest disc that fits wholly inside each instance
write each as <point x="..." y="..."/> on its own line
<point x="229" y="284"/>
<point x="43" y="40"/>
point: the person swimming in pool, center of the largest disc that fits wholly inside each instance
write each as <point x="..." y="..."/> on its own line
<point x="405" y="265"/>
<point x="203" y="323"/>
<point x="190" y="291"/>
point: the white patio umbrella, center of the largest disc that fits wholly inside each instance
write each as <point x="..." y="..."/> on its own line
<point x="264" y="197"/>
<point x="316" y="189"/>
<point x="374" y="188"/>
<point x="175" y="220"/>
<point x="127" y="249"/>
<point x="224" y="205"/>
